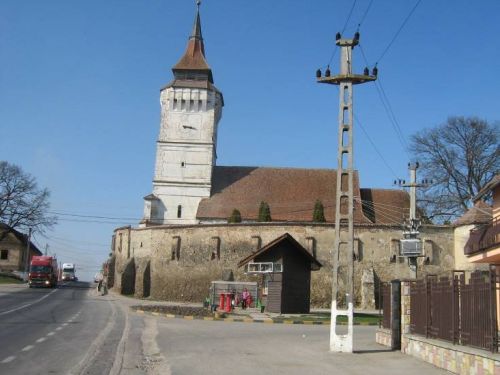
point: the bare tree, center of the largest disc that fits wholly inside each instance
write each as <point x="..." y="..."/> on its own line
<point x="23" y="204"/>
<point x="460" y="156"/>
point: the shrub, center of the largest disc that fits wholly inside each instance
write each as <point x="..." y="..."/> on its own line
<point x="319" y="212"/>
<point x="264" y="212"/>
<point x="235" y="217"/>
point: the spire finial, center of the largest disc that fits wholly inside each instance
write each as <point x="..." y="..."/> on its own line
<point x="197" y="24"/>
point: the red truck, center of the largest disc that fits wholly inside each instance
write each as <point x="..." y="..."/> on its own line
<point x="43" y="271"/>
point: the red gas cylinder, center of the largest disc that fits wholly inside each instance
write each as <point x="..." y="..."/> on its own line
<point x="221" y="301"/>
<point x="229" y="296"/>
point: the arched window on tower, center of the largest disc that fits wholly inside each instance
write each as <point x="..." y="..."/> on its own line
<point x="179" y="211"/>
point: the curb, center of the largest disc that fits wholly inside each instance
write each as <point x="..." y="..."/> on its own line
<point x="247" y="320"/>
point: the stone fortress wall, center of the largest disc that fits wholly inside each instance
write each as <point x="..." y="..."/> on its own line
<point x="178" y="262"/>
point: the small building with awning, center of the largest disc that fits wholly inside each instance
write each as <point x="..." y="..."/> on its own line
<point x="285" y="267"/>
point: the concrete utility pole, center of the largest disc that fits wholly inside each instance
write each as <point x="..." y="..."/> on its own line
<point x="411" y="244"/>
<point x="27" y="257"/>
<point x="343" y="250"/>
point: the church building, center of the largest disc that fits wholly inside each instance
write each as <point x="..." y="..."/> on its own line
<point x="184" y="240"/>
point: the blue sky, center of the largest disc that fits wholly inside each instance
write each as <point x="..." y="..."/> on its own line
<point x="80" y="81"/>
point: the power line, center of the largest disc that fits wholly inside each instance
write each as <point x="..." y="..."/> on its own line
<point x="343" y="29"/>
<point x="365" y="14"/>
<point x="77" y="241"/>
<point x="349" y="16"/>
<point x="92" y="216"/>
<point x="373" y="143"/>
<point x="392" y="117"/>
<point x="398" y="32"/>
<point x="374" y="146"/>
<point x="388" y="108"/>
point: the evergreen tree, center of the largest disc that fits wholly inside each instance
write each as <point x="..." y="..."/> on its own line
<point x="319" y="212"/>
<point x="264" y="212"/>
<point x="235" y="217"/>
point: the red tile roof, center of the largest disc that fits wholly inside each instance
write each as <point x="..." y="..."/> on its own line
<point x="291" y="194"/>
<point x="194" y="57"/>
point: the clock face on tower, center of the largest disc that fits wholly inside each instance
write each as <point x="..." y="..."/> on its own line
<point x="188" y="126"/>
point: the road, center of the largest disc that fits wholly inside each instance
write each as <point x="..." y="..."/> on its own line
<point x="66" y="330"/>
<point x="73" y="330"/>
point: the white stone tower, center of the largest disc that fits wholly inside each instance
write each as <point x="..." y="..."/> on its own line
<point x="191" y="107"/>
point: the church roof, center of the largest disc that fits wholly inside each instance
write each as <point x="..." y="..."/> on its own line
<point x="194" y="59"/>
<point x="385" y="205"/>
<point x="291" y="194"/>
<point x="480" y="213"/>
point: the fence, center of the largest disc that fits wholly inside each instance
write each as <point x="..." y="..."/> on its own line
<point x="456" y="309"/>
<point x="385" y="304"/>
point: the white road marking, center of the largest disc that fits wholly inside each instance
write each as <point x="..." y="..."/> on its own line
<point x="64" y="324"/>
<point x="41" y="339"/>
<point x="59" y="328"/>
<point x="51" y="333"/>
<point x="26" y="348"/>
<point x="8" y="359"/>
<point x="28" y="304"/>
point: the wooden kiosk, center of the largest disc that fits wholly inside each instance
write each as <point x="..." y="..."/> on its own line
<point x="285" y="266"/>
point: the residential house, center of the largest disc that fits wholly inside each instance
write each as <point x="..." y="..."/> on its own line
<point x="13" y="245"/>
<point x="483" y="245"/>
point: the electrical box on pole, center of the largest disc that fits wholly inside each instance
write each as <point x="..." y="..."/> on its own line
<point x="411" y="244"/>
<point x="344" y="227"/>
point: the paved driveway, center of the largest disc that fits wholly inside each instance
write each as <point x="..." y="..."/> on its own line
<point x="204" y="347"/>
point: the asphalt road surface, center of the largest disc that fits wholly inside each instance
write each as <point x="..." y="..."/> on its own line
<point x="74" y="330"/>
<point x="218" y="348"/>
<point x="66" y="330"/>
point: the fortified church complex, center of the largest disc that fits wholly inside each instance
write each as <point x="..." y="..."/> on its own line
<point x="185" y="241"/>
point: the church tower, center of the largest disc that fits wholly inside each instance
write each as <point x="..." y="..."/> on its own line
<point x="191" y="107"/>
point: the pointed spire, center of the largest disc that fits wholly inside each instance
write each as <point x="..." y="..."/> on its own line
<point x="196" y="34"/>
<point x="193" y="63"/>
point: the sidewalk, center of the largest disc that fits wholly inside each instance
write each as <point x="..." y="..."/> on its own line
<point x="179" y="346"/>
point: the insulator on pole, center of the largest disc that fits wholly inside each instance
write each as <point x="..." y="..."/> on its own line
<point x="395" y="182"/>
<point x="338" y="36"/>
<point x="318" y="73"/>
<point x="366" y="71"/>
<point x="356" y="36"/>
<point x="327" y="72"/>
<point x="375" y="71"/>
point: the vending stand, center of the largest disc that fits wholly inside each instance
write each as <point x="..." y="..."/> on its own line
<point x="226" y="295"/>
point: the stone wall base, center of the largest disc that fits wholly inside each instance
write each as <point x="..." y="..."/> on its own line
<point x="454" y="358"/>
<point x="383" y="337"/>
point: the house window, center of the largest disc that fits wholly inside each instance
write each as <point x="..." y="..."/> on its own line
<point x="179" y="211"/>
<point x="4" y="254"/>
